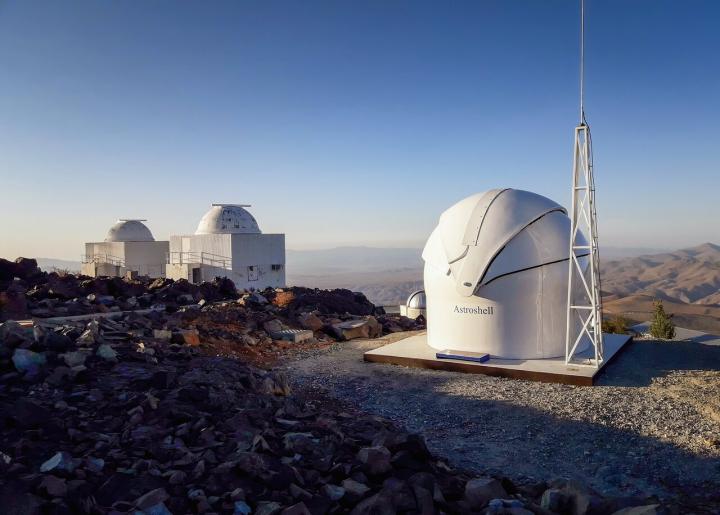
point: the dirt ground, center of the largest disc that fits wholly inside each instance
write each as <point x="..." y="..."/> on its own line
<point x="650" y="426"/>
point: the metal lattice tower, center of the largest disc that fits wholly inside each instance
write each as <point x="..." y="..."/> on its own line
<point x="584" y="307"/>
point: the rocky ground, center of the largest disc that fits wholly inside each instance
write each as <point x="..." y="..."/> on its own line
<point x="651" y="426"/>
<point x="173" y="406"/>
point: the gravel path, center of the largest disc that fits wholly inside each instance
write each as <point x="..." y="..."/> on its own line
<point x="651" y="426"/>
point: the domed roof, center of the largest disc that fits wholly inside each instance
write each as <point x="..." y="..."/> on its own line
<point x="129" y="230"/>
<point x="416" y="300"/>
<point x="497" y="232"/>
<point x="228" y="219"/>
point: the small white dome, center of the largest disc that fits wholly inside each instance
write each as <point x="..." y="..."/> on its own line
<point x="228" y="219"/>
<point x="129" y="230"/>
<point x="416" y="300"/>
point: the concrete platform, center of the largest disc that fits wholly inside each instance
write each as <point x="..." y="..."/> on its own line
<point x="415" y="352"/>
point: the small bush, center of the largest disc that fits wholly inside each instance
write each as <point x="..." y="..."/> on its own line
<point x="661" y="326"/>
<point x="618" y="324"/>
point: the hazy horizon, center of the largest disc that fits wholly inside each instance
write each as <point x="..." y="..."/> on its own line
<point x="349" y="123"/>
<point x="368" y="254"/>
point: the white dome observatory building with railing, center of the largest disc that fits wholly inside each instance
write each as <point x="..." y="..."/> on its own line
<point x="229" y="243"/>
<point x="129" y="246"/>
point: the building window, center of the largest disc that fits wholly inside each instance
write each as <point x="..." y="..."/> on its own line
<point x="275" y="268"/>
<point x="253" y="273"/>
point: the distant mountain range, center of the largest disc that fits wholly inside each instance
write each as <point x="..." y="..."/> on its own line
<point x="686" y="280"/>
<point x="51" y="264"/>
<point x="385" y="275"/>
<point x="352" y="259"/>
<point x="687" y="275"/>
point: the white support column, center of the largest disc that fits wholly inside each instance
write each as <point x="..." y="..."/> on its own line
<point x="584" y="307"/>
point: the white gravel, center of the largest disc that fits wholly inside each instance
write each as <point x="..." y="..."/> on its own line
<point x="651" y="426"/>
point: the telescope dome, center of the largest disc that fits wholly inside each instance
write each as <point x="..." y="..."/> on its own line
<point x="416" y="300"/>
<point x="129" y="230"/>
<point x="496" y="276"/>
<point x="228" y="219"/>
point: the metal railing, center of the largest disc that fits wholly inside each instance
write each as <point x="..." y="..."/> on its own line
<point x="205" y="258"/>
<point x="102" y="258"/>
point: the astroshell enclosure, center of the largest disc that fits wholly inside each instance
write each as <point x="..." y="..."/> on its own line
<point x="496" y="276"/>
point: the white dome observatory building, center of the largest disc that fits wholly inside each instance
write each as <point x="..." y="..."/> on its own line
<point x="128" y="247"/>
<point x="415" y="305"/>
<point x="228" y="243"/>
<point x="496" y="276"/>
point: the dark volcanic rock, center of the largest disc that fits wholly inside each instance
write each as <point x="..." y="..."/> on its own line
<point x="325" y="301"/>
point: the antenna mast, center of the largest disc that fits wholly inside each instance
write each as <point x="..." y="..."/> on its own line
<point x="584" y="306"/>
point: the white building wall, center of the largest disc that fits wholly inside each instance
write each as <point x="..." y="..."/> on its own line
<point x="144" y="257"/>
<point x="216" y="246"/>
<point x="265" y="253"/>
<point x="260" y="251"/>
<point x="101" y="269"/>
<point x="176" y="271"/>
<point x="112" y="249"/>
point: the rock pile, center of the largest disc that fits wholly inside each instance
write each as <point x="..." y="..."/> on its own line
<point x="134" y="411"/>
<point x="117" y="416"/>
<point x="26" y="291"/>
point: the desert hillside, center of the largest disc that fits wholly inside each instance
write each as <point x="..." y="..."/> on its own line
<point x="688" y="275"/>
<point x="687" y="280"/>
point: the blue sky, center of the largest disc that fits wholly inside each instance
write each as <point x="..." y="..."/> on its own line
<point x="350" y="122"/>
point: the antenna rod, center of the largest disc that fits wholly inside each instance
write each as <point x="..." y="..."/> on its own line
<point x="582" y="61"/>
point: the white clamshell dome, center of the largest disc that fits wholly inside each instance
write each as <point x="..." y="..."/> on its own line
<point x="496" y="269"/>
<point x="416" y="300"/>
<point x="129" y="230"/>
<point x="228" y="219"/>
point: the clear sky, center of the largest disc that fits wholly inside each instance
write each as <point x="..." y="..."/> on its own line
<point x="350" y="122"/>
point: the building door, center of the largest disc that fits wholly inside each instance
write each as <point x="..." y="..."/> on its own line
<point x="196" y="276"/>
<point x="253" y="273"/>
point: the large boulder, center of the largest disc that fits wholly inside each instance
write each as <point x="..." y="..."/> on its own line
<point x="63" y="286"/>
<point x="481" y="490"/>
<point x="352" y="329"/>
<point x="221" y="288"/>
<point x="13" y="303"/>
<point x="324" y="301"/>
<point x="13" y="334"/>
<point x="22" y="268"/>
<point x="375" y="460"/>
<point x="310" y="321"/>
<point x="26" y="268"/>
<point x="28" y="362"/>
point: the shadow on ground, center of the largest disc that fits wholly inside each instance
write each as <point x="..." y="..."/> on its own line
<point x="659" y="359"/>
<point x="532" y="431"/>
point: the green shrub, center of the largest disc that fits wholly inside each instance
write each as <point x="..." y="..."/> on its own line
<point x="661" y="326"/>
<point x="618" y="324"/>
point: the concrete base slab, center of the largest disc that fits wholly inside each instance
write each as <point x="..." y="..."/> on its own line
<point x="415" y="352"/>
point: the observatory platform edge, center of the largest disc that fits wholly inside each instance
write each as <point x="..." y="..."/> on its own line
<point x="415" y="352"/>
